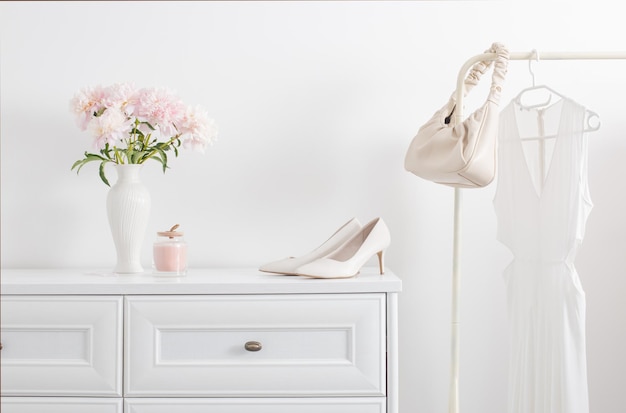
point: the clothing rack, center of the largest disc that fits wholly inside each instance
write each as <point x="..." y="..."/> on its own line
<point x="453" y="406"/>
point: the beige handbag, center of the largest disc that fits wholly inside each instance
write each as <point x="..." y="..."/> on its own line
<point x="462" y="155"/>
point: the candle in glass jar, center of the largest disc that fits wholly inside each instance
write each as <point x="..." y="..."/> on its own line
<point x="170" y="253"/>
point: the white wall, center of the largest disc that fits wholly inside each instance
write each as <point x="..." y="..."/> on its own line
<point x="316" y="103"/>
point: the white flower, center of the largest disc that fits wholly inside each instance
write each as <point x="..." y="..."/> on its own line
<point x="111" y="127"/>
<point x="198" y="129"/>
<point x="85" y="103"/>
<point x="161" y="108"/>
<point x="122" y="96"/>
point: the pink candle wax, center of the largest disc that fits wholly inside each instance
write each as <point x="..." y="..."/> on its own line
<point x="170" y="257"/>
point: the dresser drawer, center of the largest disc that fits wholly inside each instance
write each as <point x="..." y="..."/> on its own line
<point x="60" y="405"/>
<point x="61" y="346"/>
<point x="287" y="405"/>
<point x="293" y="345"/>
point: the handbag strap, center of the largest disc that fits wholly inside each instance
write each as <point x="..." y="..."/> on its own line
<point x="500" y="69"/>
<point x="499" y="72"/>
<point x="501" y="64"/>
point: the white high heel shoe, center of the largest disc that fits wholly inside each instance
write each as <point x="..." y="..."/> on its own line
<point x="348" y="259"/>
<point x="287" y="266"/>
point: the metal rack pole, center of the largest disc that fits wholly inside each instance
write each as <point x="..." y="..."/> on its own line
<point x="453" y="404"/>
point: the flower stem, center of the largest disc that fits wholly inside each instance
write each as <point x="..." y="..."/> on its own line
<point x="118" y="157"/>
<point x="154" y="151"/>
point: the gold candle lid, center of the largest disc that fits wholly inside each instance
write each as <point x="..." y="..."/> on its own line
<point x="171" y="233"/>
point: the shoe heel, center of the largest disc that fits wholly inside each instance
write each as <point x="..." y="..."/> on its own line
<point x="347" y="260"/>
<point x="381" y="262"/>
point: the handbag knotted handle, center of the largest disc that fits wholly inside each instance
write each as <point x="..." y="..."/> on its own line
<point x="497" y="79"/>
<point x="499" y="71"/>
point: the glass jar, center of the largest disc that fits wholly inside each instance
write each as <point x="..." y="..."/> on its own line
<point x="170" y="253"/>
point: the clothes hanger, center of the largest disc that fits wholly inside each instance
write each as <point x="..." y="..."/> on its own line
<point x="592" y="119"/>
<point x="534" y="87"/>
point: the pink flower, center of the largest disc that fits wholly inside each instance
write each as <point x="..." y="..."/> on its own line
<point x="197" y="128"/>
<point x="122" y="96"/>
<point x="161" y="109"/>
<point x="111" y="127"/>
<point x="86" y="103"/>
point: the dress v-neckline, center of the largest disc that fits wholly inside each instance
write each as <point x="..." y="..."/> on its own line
<point x="545" y="180"/>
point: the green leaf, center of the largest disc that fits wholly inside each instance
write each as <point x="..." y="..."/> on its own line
<point x="163" y="159"/>
<point x="77" y="163"/>
<point x="106" y="151"/>
<point x="102" y="175"/>
<point x="93" y="157"/>
<point x="160" y="157"/>
<point x="136" y="157"/>
<point x="89" y="157"/>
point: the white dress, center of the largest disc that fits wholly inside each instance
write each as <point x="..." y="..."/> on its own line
<point x="542" y="204"/>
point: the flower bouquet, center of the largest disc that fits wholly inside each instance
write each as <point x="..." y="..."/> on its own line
<point x="130" y="125"/>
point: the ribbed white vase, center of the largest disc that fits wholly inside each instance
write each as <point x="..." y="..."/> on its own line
<point x="128" y="209"/>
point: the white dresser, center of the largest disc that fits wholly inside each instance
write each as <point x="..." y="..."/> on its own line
<point x="215" y="341"/>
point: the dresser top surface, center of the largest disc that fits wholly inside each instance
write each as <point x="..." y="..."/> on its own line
<point x="197" y="281"/>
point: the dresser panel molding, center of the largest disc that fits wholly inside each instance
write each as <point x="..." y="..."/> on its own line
<point x="61" y="405"/>
<point x="217" y="340"/>
<point x="244" y="405"/>
<point x="61" y="345"/>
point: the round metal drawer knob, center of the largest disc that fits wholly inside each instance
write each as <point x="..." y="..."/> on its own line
<point x="253" y="346"/>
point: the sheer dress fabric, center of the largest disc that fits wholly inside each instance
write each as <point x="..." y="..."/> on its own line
<point x="542" y="203"/>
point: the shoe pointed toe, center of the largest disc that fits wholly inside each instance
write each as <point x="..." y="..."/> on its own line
<point x="288" y="266"/>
